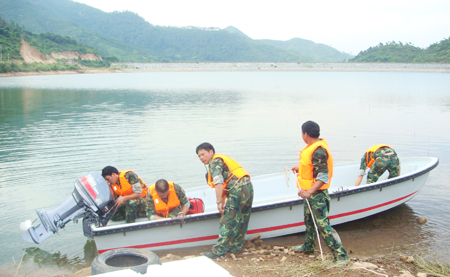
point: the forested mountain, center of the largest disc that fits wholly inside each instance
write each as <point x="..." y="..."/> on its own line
<point x="406" y="53"/>
<point x="317" y="51"/>
<point x="234" y="30"/>
<point x="36" y="17"/>
<point x="11" y="35"/>
<point x="131" y="38"/>
<point x="44" y="52"/>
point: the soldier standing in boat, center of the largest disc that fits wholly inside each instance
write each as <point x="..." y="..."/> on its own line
<point x="130" y="193"/>
<point x="379" y="158"/>
<point x="231" y="183"/>
<point x="166" y="200"/>
<point x="314" y="177"/>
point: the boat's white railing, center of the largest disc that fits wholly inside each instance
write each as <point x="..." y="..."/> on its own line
<point x="411" y="169"/>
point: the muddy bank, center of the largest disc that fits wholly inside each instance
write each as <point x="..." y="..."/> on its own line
<point x="260" y="259"/>
<point x="32" y="55"/>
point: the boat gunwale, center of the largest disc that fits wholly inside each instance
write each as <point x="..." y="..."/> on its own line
<point x="201" y="217"/>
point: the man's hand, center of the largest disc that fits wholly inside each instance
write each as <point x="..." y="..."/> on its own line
<point x="120" y="200"/>
<point x="157" y="217"/>
<point x="304" y="193"/>
<point x="295" y="169"/>
<point x="181" y="214"/>
<point x="220" y="207"/>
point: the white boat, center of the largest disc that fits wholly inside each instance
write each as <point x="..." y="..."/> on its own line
<point x="277" y="210"/>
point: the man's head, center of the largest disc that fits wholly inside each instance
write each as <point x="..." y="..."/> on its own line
<point x="205" y="151"/>
<point x="310" y="129"/>
<point x="110" y="174"/>
<point x="162" y="188"/>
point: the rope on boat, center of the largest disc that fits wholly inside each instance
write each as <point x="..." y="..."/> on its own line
<point x="370" y="271"/>
<point x="317" y="230"/>
<point x="286" y="170"/>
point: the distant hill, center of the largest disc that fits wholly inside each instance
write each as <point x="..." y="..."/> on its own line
<point x="11" y="36"/>
<point x="131" y="38"/>
<point x="22" y="50"/>
<point x="234" y="30"/>
<point x="317" y="51"/>
<point x="393" y="52"/>
<point x="36" y="16"/>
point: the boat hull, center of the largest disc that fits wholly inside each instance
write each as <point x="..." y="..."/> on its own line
<point x="272" y="216"/>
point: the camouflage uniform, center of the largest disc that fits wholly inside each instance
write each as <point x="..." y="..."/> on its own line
<point x="129" y="210"/>
<point x="383" y="161"/>
<point x="150" y="204"/>
<point x="320" y="205"/>
<point x="234" y="222"/>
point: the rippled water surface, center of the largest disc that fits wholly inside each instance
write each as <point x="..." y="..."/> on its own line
<point x="55" y="129"/>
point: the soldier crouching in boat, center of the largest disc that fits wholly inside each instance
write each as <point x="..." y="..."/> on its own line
<point x="130" y="192"/>
<point x="231" y="183"/>
<point x="379" y="158"/>
<point x="166" y="200"/>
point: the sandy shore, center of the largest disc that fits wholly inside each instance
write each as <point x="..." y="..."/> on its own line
<point x="351" y="67"/>
<point x="211" y="67"/>
<point x="11" y="74"/>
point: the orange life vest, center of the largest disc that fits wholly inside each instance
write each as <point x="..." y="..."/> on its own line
<point x="306" y="168"/>
<point x="369" y="153"/>
<point x="125" y="189"/>
<point x="235" y="170"/>
<point x="160" y="206"/>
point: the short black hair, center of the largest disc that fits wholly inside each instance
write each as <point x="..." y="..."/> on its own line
<point x="311" y="128"/>
<point x="206" y="146"/>
<point x="161" y="186"/>
<point x="109" y="170"/>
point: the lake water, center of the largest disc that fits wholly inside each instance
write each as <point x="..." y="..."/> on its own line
<point x="55" y="129"/>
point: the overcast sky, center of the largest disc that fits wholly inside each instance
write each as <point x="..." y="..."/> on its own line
<point x="348" y="25"/>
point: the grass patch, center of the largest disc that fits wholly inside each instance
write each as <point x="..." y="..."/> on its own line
<point x="434" y="268"/>
<point x="295" y="268"/>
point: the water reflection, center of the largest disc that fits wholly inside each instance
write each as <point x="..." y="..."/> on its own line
<point x="55" y="129"/>
<point x="390" y="233"/>
<point x="39" y="262"/>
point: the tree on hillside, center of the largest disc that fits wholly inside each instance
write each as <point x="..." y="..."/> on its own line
<point x="439" y="52"/>
<point x="389" y="52"/>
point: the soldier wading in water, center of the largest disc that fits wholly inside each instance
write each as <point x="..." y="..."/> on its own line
<point x="231" y="183"/>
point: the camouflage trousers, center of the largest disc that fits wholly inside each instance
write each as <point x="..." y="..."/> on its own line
<point x="390" y="163"/>
<point x="130" y="210"/>
<point x="234" y="221"/>
<point x="320" y="205"/>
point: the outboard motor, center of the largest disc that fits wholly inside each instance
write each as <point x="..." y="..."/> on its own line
<point x="92" y="199"/>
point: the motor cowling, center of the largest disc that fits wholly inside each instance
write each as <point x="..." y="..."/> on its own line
<point x="92" y="200"/>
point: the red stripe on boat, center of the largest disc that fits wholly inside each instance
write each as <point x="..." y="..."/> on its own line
<point x="88" y="186"/>
<point x="274" y="228"/>
<point x="166" y="243"/>
<point x="261" y="230"/>
<point x="371" y="208"/>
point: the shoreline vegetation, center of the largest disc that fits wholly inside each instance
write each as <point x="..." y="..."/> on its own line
<point x="235" y="66"/>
